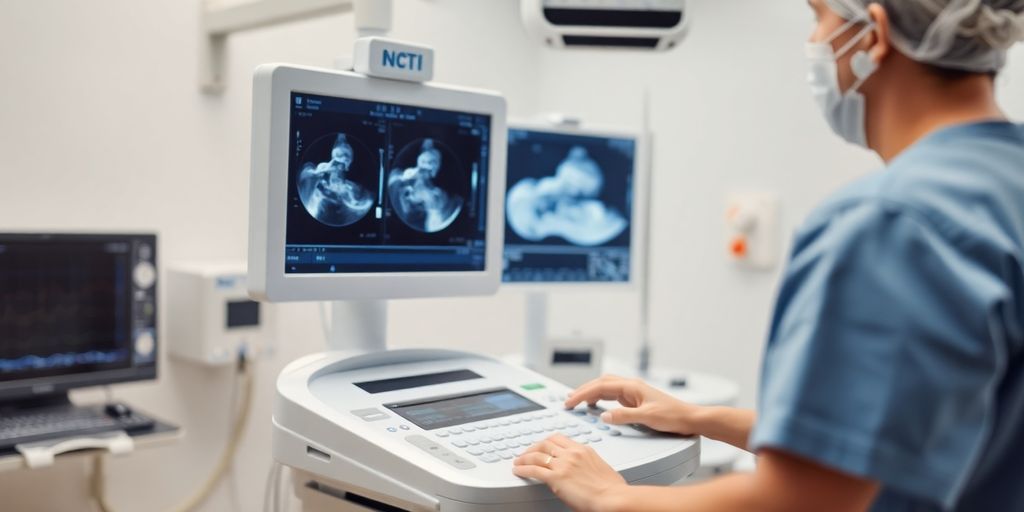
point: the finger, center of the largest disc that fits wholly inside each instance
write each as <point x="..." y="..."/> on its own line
<point x="572" y="401"/>
<point x="613" y="390"/>
<point x="560" y="441"/>
<point x="533" y="472"/>
<point x="624" y="415"/>
<point x="535" y="459"/>
<point x="589" y="388"/>
<point x="545" y="447"/>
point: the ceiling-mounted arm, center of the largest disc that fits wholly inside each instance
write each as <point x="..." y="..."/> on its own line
<point x="372" y="17"/>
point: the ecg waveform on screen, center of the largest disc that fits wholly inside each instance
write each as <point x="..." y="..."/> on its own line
<point x="62" y="308"/>
<point x="34" y="362"/>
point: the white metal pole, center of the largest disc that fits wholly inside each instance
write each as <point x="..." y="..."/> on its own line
<point x="536" y="329"/>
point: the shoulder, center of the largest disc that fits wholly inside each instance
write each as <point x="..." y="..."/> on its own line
<point x="955" y="184"/>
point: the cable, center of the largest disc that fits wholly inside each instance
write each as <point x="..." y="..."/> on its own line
<point x="268" y="490"/>
<point x="224" y="463"/>
<point x="98" y="485"/>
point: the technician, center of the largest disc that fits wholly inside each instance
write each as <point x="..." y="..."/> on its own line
<point x="894" y="373"/>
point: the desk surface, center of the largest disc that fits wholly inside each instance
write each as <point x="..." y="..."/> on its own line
<point x="161" y="434"/>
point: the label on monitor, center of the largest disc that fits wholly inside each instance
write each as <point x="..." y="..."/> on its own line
<point x="395" y="60"/>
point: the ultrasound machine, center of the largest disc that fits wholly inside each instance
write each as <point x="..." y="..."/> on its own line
<point x="76" y="310"/>
<point x="365" y="189"/>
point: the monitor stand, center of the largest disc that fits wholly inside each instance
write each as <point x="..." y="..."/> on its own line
<point x="358" y="325"/>
<point x="536" y="329"/>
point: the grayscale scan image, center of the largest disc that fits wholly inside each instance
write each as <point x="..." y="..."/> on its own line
<point x="328" y="188"/>
<point x="565" y="204"/>
<point x="417" y="186"/>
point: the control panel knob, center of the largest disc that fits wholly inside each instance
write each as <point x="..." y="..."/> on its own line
<point x="144" y="275"/>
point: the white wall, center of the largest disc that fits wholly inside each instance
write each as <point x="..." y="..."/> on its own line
<point x="102" y="128"/>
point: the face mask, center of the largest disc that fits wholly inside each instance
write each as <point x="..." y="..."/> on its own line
<point x="845" y="112"/>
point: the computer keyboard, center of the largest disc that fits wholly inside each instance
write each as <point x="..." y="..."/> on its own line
<point x="64" y="422"/>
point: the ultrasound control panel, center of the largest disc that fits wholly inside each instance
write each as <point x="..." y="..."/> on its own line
<point x="449" y="425"/>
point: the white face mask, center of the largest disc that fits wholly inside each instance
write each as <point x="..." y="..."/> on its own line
<point x="845" y="112"/>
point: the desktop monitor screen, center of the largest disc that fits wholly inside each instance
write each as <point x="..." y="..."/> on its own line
<point x="75" y="310"/>
<point x="569" y="207"/>
<point x="377" y="187"/>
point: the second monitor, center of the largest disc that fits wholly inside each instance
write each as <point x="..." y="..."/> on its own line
<point x="571" y="207"/>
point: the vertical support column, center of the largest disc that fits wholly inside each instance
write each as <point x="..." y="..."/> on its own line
<point x="358" y="326"/>
<point x="373" y="17"/>
<point x="536" y="329"/>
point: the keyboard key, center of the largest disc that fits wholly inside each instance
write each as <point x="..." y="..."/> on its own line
<point x="468" y="428"/>
<point x="482" y="427"/>
<point x="442" y="434"/>
<point x="505" y="455"/>
<point x="473" y="441"/>
<point x="460" y="443"/>
<point x="490" y="458"/>
<point x="454" y="431"/>
<point x="474" y="451"/>
<point x="595" y="439"/>
<point x="614" y="433"/>
<point x="603" y="427"/>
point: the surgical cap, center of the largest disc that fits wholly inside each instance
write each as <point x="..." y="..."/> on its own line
<point x="965" y="35"/>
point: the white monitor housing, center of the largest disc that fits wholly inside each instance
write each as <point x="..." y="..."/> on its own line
<point x="365" y="189"/>
<point x="279" y="270"/>
<point x="602" y="173"/>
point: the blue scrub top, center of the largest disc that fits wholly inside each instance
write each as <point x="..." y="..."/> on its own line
<point x="897" y="346"/>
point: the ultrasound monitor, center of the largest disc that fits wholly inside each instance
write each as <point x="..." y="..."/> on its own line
<point x="571" y="206"/>
<point x="75" y="310"/>
<point x="364" y="191"/>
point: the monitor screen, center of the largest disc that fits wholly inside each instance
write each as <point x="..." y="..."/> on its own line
<point x="76" y="307"/>
<point x="381" y="188"/>
<point x="568" y="209"/>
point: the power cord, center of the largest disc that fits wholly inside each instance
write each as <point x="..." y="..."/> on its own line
<point x="224" y="462"/>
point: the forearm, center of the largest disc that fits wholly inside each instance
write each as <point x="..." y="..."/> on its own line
<point x="727" y="424"/>
<point x="729" y="493"/>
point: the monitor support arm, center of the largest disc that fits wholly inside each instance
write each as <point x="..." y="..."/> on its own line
<point x="372" y="18"/>
<point x="358" y="326"/>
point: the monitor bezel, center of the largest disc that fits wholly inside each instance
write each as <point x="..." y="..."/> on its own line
<point x="58" y="384"/>
<point x="273" y="85"/>
<point x="638" y="215"/>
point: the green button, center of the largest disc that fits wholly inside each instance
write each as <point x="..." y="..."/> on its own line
<point x="533" y="387"/>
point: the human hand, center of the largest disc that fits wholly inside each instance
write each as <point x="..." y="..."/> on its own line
<point x="574" y="472"/>
<point x="642" y="403"/>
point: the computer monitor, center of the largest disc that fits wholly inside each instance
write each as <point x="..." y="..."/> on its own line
<point x="75" y="310"/>
<point x="572" y="206"/>
<point x="373" y="189"/>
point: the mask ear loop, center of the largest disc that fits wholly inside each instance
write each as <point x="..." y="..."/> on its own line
<point x="861" y="64"/>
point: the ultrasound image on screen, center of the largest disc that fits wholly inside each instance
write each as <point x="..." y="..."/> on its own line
<point x="336" y="190"/>
<point x="64" y="308"/>
<point x="427" y="189"/>
<point x="568" y="207"/>
<point x="379" y="187"/>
